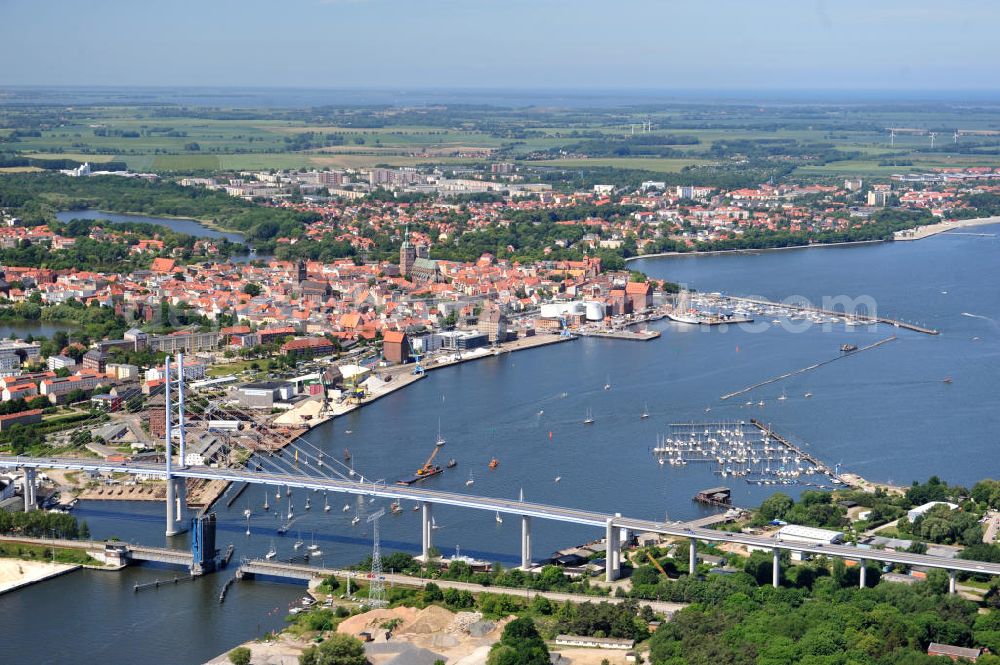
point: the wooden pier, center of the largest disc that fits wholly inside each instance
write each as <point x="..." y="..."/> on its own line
<point x="236" y="494"/>
<point x="156" y="584"/>
<point x="225" y="588"/>
<point x="809" y="457"/>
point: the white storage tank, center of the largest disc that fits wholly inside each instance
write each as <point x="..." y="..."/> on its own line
<point x="552" y="310"/>
<point x="577" y="309"/>
<point x="595" y="311"/>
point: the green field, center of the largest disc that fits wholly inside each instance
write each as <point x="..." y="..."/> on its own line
<point x="659" y="165"/>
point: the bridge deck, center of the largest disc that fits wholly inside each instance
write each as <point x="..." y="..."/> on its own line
<point x="508" y="506"/>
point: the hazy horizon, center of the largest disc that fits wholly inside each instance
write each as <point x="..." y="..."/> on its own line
<point x="725" y="45"/>
<point x="298" y="96"/>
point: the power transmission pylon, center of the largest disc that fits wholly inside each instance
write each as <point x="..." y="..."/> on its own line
<point x="376" y="586"/>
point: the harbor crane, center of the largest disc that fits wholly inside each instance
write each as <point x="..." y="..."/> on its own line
<point x="416" y="355"/>
<point x="656" y="564"/>
<point x="428" y="468"/>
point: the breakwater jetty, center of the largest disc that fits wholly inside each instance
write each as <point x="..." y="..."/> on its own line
<point x="786" y="375"/>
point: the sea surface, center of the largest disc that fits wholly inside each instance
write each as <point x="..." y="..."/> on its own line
<point x="886" y="414"/>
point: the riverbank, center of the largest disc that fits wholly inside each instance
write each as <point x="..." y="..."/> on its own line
<point x="722" y="252"/>
<point x="921" y="232"/>
<point x="15" y="573"/>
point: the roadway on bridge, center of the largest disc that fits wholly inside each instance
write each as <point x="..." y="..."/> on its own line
<point x="509" y="506"/>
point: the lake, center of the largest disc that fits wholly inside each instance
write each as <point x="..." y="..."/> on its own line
<point x="189" y="226"/>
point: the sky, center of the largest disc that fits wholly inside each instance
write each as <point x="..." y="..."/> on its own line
<point x="720" y="45"/>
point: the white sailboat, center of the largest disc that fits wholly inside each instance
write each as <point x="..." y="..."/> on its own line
<point x="440" y="440"/>
<point x="434" y="524"/>
<point x="298" y="542"/>
<point x="326" y="503"/>
<point x="248" y="525"/>
<point x="347" y="508"/>
<point x="266" y="507"/>
<point x="589" y="420"/>
<point x="470" y="480"/>
<point x="313" y="547"/>
<point x="645" y="412"/>
<point x="607" y="382"/>
<point x="783" y="396"/>
<point x="247" y="512"/>
<point x="499" y="519"/>
<point x="271" y="553"/>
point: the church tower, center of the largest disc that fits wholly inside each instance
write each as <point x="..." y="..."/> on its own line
<point x="407" y="255"/>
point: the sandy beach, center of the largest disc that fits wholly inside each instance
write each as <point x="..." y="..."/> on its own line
<point x="933" y="229"/>
<point x="15" y="573"/>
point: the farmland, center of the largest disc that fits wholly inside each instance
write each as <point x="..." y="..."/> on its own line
<point x="820" y="142"/>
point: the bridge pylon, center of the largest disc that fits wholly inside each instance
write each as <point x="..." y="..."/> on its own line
<point x="176" y="485"/>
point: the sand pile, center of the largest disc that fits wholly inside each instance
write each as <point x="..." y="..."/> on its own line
<point x="428" y="621"/>
<point x="375" y="618"/>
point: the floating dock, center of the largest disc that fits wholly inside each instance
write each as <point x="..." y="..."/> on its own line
<point x="416" y="478"/>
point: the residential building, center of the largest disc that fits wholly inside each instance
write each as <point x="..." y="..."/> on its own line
<point x="494" y="325"/>
<point x="308" y="347"/>
<point x="60" y="362"/>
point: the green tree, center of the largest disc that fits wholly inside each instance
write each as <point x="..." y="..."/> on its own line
<point x="240" y="656"/>
<point x="338" y="649"/>
<point x="520" y="644"/>
<point x="775" y="507"/>
<point x="432" y="593"/>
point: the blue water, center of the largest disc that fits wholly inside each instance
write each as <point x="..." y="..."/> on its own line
<point x="884" y="413"/>
<point x="189" y="226"/>
<point x="22" y="329"/>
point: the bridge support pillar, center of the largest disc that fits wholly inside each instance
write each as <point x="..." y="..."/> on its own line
<point x="863" y="571"/>
<point x="176" y="498"/>
<point x="952" y="586"/>
<point x="426" y="529"/>
<point x="776" y="569"/>
<point x="525" y="542"/>
<point x="611" y="569"/>
<point x="693" y="557"/>
<point x="30" y="497"/>
<point x="619" y="535"/>
<point x="176" y="506"/>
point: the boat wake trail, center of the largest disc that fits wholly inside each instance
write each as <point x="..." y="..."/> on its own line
<point x="978" y="316"/>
